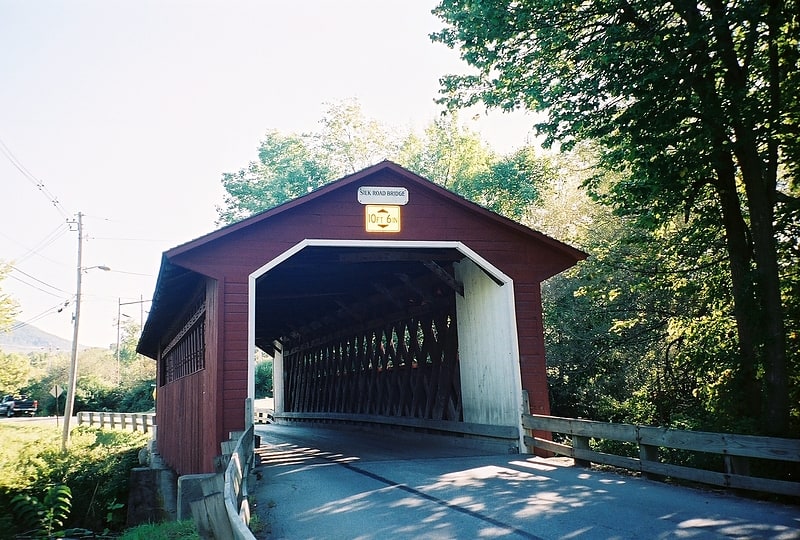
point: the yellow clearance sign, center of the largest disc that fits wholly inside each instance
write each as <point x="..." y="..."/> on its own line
<point x="382" y="218"/>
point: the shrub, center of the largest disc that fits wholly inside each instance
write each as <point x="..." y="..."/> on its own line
<point x="96" y="468"/>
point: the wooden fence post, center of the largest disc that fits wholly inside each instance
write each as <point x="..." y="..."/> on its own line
<point x="581" y="443"/>
<point x="649" y="453"/>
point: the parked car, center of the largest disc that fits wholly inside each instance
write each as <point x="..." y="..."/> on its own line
<point x="12" y="405"/>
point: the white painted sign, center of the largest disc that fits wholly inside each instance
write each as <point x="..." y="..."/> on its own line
<point x="382" y="195"/>
<point x="56" y="391"/>
<point x="382" y="218"/>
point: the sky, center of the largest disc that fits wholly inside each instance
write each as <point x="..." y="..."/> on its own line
<point x="130" y="112"/>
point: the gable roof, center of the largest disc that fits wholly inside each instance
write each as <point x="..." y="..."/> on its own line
<point x="176" y="282"/>
<point x="357" y="178"/>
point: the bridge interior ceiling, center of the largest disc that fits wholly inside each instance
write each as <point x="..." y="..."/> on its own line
<point x="323" y="293"/>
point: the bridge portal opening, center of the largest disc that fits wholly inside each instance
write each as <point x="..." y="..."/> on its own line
<point x="419" y="334"/>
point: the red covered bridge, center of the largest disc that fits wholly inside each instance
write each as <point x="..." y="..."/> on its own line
<point x="382" y="298"/>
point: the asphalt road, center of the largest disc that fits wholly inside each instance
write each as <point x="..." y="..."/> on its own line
<point x="348" y="484"/>
<point x="40" y="420"/>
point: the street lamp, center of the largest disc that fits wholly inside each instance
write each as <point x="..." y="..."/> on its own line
<point x="73" y="367"/>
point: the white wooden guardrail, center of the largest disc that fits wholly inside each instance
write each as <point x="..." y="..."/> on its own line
<point x="224" y="510"/>
<point x="235" y="491"/>
<point x="734" y="451"/>
<point x="144" y="422"/>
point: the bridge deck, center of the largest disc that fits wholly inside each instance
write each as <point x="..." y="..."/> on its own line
<point x="344" y="483"/>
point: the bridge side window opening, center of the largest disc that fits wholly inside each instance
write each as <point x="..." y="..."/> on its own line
<point x="185" y="353"/>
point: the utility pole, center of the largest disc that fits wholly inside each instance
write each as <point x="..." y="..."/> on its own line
<point x="119" y="315"/>
<point x="73" y="366"/>
<point x="120" y="303"/>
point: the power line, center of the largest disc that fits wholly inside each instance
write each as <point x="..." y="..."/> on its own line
<point x="51" y="237"/>
<point x="156" y="240"/>
<point x="37" y="280"/>
<point x="6" y="151"/>
<point x="133" y="273"/>
<point x="34" y="286"/>
<point x="58" y="308"/>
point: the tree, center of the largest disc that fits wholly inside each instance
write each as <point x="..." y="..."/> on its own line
<point x="447" y="153"/>
<point x="641" y="331"/>
<point x="130" y="331"/>
<point x="15" y="373"/>
<point x="350" y="141"/>
<point x="696" y="102"/>
<point x="286" y="168"/>
<point x="513" y="184"/>
<point x="264" y="384"/>
<point x="8" y="307"/>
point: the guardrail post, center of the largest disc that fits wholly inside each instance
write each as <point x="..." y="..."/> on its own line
<point x="580" y="443"/>
<point x="736" y="465"/>
<point x="648" y="453"/>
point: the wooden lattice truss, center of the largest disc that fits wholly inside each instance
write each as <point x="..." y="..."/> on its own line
<point x="385" y="340"/>
<point x="405" y="368"/>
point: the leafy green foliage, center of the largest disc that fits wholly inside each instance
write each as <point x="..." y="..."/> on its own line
<point x="129" y="339"/>
<point x="447" y="153"/>
<point x="350" y="141"/>
<point x="513" y="185"/>
<point x="696" y="108"/>
<point x="286" y="168"/>
<point x="108" y="380"/>
<point x="643" y="331"/>
<point x="264" y="384"/>
<point x="138" y="397"/>
<point x="15" y="374"/>
<point x="96" y="468"/>
<point x="42" y="519"/>
<point x="8" y="307"/>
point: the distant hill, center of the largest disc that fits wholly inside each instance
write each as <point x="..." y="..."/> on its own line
<point x="28" y="338"/>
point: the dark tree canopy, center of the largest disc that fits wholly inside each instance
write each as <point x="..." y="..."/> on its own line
<point x="697" y="102"/>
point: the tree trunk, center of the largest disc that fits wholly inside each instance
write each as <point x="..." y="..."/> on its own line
<point x="761" y="208"/>
<point x="759" y="179"/>
<point x="746" y="310"/>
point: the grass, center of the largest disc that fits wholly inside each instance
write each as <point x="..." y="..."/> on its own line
<point x="173" y="530"/>
<point x="21" y="439"/>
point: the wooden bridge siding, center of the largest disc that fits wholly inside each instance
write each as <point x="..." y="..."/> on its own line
<point x="429" y="217"/>
<point x="192" y="400"/>
<point x="182" y="446"/>
<point x="234" y="354"/>
<point x="531" y="346"/>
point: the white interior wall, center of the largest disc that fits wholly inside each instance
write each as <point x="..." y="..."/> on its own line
<point x="277" y="378"/>
<point x="491" y="387"/>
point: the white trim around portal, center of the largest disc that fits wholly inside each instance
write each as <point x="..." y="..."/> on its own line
<point x="501" y="278"/>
